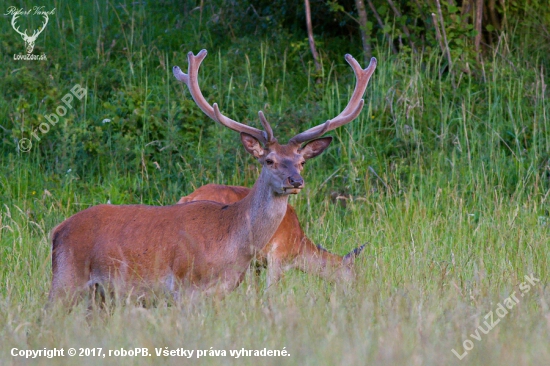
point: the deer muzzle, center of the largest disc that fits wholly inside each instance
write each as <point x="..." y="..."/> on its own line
<point x="294" y="184"/>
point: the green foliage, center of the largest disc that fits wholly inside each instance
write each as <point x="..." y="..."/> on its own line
<point x="136" y="113"/>
<point x="445" y="173"/>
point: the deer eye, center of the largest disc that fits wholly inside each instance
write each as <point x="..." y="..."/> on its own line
<point x="269" y="162"/>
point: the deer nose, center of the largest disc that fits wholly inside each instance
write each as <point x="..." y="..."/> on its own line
<point x="296" y="182"/>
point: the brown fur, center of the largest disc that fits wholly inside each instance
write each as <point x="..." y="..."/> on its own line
<point x="289" y="247"/>
<point x="198" y="246"/>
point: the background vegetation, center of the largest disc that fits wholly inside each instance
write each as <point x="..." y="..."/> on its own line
<point x="446" y="173"/>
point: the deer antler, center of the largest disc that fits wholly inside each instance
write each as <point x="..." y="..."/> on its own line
<point x="351" y="111"/>
<point x="16" y="28"/>
<point x="37" y="32"/>
<point x="191" y="80"/>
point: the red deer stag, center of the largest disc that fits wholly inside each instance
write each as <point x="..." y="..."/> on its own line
<point x="198" y="246"/>
<point x="289" y="248"/>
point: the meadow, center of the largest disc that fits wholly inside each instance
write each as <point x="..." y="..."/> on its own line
<point x="445" y="175"/>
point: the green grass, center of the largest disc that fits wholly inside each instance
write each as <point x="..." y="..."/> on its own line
<point x="455" y="216"/>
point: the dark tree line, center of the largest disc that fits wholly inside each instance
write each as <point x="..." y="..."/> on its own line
<point x="462" y="30"/>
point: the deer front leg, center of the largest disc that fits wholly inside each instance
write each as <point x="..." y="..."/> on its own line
<point x="274" y="270"/>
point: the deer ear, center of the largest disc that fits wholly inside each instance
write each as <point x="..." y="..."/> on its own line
<point x="252" y="145"/>
<point x="315" y="147"/>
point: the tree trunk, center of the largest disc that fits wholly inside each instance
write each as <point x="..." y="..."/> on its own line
<point x="360" y="5"/>
<point x="479" y="15"/>
<point x="405" y="29"/>
<point x="311" y="39"/>
<point x="381" y="25"/>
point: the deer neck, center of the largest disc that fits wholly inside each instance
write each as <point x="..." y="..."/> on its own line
<point x="316" y="259"/>
<point x="261" y="213"/>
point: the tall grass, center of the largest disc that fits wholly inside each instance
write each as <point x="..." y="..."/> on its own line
<point x="448" y="186"/>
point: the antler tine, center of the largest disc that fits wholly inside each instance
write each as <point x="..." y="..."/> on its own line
<point x="191" y="80"/>
<point x="16" y="28"/>
<point x="353" y="108"/>
<point x="267" y="128"/>
<point x="44" y="24"/>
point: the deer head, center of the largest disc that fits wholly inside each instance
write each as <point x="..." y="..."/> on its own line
<point x="29" y="40"/>
<point x="281" y="164"/>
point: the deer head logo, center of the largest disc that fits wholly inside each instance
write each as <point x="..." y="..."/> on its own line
<point x="29" y="40"/>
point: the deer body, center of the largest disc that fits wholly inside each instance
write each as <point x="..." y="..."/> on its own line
<point x="198" y="246"/>
<point x="289" y="248"/>
<point x="171" y="247"/>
